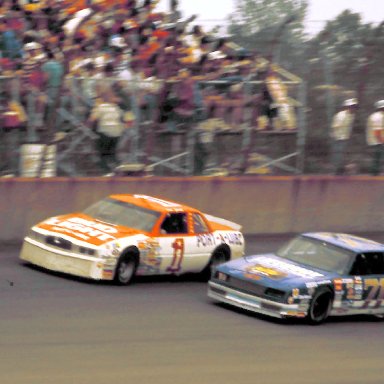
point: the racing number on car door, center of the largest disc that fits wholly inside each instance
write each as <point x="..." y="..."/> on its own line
<point x="178" y="255"/>
<point x="375" y="289"/>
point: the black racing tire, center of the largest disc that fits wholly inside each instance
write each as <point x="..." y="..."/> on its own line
<point x="126" y="269"/>
<point x="219" y="256"/>
<point x="320" y="306"/>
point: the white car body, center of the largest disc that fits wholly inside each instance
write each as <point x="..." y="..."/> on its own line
<point x="81" y="245"/>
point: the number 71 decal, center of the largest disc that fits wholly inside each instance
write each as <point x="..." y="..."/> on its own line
<point x="178" y="255"/>
<point x="375" y="288"/>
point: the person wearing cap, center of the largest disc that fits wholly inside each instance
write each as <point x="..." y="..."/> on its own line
<point x="375" y="136"/>
<point x="34" y="83"/>
<point x="341" y="130"/>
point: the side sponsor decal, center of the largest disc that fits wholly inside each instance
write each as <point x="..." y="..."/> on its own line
<point x="359" y="293"/>
<point x="230" y="238"/>
<point x="206" y="240"/>
<point x="150" y="259"/>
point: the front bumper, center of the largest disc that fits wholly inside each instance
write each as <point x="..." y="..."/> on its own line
<point x="255" y="304"/>
<point x="71" y="263"/>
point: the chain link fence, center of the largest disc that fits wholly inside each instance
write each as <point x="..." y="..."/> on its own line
<point x="233" y="129"/>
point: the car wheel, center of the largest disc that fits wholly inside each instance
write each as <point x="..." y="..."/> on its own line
<point x="320" y="306"/>
<point x="218" y="257"/>
<point x="125" y="270"/>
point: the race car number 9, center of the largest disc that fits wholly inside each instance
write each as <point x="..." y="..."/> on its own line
<point x="178" y="255"/>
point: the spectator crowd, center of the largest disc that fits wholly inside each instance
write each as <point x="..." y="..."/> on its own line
<point x="121" y="64"/>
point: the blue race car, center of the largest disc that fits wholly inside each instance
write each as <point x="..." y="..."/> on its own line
<point x="313" y="276"/>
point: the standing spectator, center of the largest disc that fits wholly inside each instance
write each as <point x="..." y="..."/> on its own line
<point x="91" y="78"/>
<point x="109" y="122"/>
<point x="11" y="44"/>
<point x="34" y="83"/>
<point x="167" y="103"/>
<point x="174" y="14"/>
<point x="54" y="71"/>
<point x="185" y="95"/>
<point x="375" y="136"/>
<point x="341" y="130"/>
<point x="147" y="89"/>
<point x="121" y="69"/>
<point x="12" y="132"/>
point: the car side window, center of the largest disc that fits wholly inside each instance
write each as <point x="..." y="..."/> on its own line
<point x="199" y="225"/>
<point x="368" y="264"/>
<point x="175" y="223"/>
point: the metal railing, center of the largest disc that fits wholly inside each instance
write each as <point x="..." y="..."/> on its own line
<point x="205" y="144"/>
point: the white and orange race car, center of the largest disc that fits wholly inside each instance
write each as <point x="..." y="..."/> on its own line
<point x="123" y="236"/>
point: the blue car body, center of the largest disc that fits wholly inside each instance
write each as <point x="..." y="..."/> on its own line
<point x="315" y="275"/>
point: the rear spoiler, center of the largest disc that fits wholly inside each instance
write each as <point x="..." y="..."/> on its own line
<point x="227" y="223"/>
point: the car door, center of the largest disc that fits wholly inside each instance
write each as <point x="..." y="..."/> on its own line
<point x="175" y="241"/>
<point x="366" y="294"/>
<point x="185" y="243"/>
<point x="205" y="243"/>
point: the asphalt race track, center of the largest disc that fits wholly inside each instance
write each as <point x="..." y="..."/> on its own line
<point x="61" y="330"/>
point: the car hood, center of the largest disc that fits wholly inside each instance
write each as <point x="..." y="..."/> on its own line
<point x="272" y="270"/>
<point x="85" y="228"/>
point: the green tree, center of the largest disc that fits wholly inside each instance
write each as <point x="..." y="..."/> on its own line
<point x="344" y="60"/>
<point x="273" y="28"/>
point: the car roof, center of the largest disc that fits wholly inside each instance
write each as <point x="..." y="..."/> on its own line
<point x="350" y="242"/>
<point x="153" y="203"/>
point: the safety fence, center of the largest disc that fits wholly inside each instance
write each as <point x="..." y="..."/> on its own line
<point x="233" y="127"/>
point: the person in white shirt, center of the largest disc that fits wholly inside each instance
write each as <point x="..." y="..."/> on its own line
<point x="110" y="123"/>
<point x="375" y="136"/>
<point x="341" y="130"/>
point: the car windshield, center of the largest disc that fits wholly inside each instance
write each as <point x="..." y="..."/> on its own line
<point x="125" y="214"/>
<point x="317" y="254"/>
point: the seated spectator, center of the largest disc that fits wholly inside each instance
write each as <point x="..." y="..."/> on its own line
<point x="236" y="106"/>
<point x="124" y="49"/>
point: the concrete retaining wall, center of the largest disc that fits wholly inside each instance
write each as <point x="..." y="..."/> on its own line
<point x="263" y="205"/>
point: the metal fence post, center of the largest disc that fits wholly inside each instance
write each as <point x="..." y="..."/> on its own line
<point x="302" y="127"/>
<point x="32" y="136"/>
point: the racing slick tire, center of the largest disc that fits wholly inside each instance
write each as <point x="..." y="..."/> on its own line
<point x="126" y="269"/>
<point x="219" y="256"/>
<point x="320" y="306"/>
